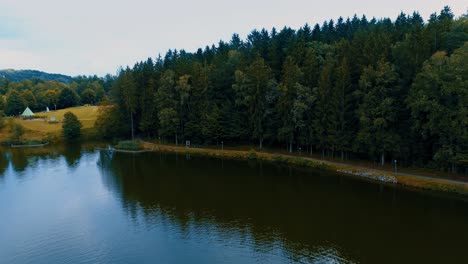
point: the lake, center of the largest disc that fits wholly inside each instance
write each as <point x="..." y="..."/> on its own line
<point x="77" y="205"/>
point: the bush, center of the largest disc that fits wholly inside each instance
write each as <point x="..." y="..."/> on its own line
<point x="33" y="142"/>
<point x="2" y="121"/>
<point x="17" y="132"/>
<point x="279" y="159"/>
<point x="129" y="145"/>
<point x="11" y="141"/>
<point x="252" y="155"/>
<point x="71" y="127"/>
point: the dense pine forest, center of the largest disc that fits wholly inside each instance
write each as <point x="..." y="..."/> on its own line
<point x="374" y="89"/>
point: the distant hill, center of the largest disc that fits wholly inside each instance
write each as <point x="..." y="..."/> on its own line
<point x="21" y="75"/>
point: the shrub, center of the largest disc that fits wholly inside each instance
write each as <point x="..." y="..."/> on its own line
<point x="17" y="132"/>
<point x="2" y="121"/>
<point x="71" y="127"/>
<point x="252" y="155"/>
<point x="279" y="159"/>
<point x="33" y="142"/>
<point x="129" y="145"/>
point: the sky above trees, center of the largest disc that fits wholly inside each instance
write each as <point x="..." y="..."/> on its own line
<point x="96" y="37"/>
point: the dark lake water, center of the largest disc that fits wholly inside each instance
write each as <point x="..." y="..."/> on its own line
<point x="73" y="205"/>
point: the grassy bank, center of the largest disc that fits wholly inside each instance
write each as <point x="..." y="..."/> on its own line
<point x="410" y="181"/>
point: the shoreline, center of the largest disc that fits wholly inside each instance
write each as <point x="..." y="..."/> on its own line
<point x="406" y="180"/>
<point x="123" y="150"/>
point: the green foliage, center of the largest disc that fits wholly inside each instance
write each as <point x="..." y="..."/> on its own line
<point x="2" y="120"/>
<point x="29" y="99"/>
<point x="71" y="127"/>
<point x="252" y="155"/>
<point x="253" y="88"/>
<point x="126" y="92"/>
<point x="108" y="124"/>
<point x="211" y="124"/>
<point x="14" y="104"/>
<point x="68" y="98"/>
<point x="169" y="122"/>
<point x="2" y="104"/>
<point x="126" y="83"/>
<point x="344" y="106"/>
<point x="325" y="118"/>
<point x="148" y="111"/>
<point x="378" y="111"/>
<point x="367" y="89"/>
<point x="439" y="105"/>
<point x="457" y="36"/>
<point x="129" y="145"/>
<point x="16" y="133"/>
<point x="50" y="99"/>
<point x="39" y="95"/>
<point x="88" y="96"/>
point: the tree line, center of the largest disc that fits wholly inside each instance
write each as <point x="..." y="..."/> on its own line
<point x="373" y="89"/>
<point x="39" y="95"/>
<point x="377" y="89"/>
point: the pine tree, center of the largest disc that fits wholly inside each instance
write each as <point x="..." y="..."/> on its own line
<point x="378" y="111"/>
<point x="344" y="107"/>
<point x="291" y="112"/>
<point x="325" y="120"/>
<point x="167" y="103"/>
<point x="253" y="87"/>
<point x="127" y="87"/>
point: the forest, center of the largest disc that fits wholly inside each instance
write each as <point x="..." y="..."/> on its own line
<point x="38" y="94"/>
<point x="374" y="89"/>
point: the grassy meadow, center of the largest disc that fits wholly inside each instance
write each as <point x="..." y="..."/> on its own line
<point x="39" y="128"/>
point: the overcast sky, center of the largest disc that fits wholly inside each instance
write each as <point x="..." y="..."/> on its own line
<point x="97" y="36"/>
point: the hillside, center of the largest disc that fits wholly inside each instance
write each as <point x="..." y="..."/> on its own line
<point x="21" y="75"/>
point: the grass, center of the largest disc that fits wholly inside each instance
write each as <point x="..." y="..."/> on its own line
<point x="40" y="128"/>
<point x="129" y="145"/>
